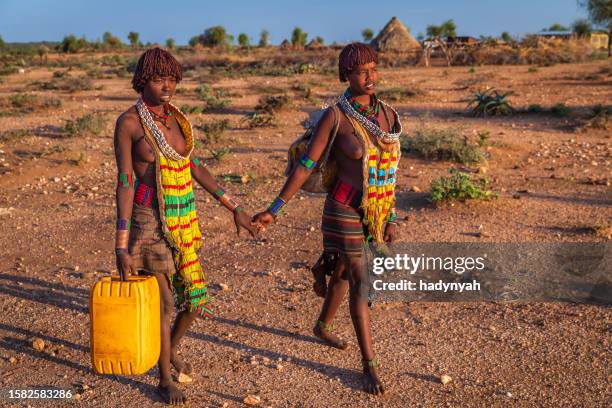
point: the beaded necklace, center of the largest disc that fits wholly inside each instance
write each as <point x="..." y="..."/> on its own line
<point x="370" y="111"/>
<point x="163" y="118"/>
<point x="372" y="128"/>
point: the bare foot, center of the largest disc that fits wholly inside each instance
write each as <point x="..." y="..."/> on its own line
<point x="371" y="382"/>
<point x="323" y="331"/>
<point x="179" y="364"/>
<point x="170" y="393"/>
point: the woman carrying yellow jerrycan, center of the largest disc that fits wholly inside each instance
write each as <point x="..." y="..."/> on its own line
<point x="158" y="235"/>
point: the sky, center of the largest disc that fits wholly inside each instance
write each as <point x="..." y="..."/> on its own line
<point x="334" y="20"/>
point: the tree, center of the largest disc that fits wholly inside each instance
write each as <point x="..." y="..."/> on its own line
<point x="582" y="27"/>
<point x="367" y="34"/>
<point x="70" y="44"/>
<point x="449" y="28"/>
<point x="600" y="13"/>
<point x="212" y="37"/>
<point x="557" y="27"/>
<point x="243" y="40"/>
<point x="1" y="42"/>
<point x="170" y="43"/>
<point x="110" y="40"/>
<point x="264" y="38"/>
<point x="446" y="29"/>
<point x="133" y="37"/>
<point x="298" y="37"/>
<point x="506" y="36"/>
<point x="320" y="39"/>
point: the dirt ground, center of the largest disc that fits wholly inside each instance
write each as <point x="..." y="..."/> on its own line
<point x="552" y="176"/>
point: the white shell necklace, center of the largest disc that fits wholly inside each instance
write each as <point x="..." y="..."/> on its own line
<point x="163" y="145"/>
<point x="372" y="128"/>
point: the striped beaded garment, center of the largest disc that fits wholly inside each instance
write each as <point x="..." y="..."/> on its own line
<point x="177" y="212"/>
<point x="380" y="162"/>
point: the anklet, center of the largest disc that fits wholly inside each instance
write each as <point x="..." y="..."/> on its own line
<point x="371" y="363"/>
<point x="326" y="327"/>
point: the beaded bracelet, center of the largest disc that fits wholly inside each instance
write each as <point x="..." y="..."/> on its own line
<point x="123" y="224"/>
<point x="276" y="206"/>
<point x="225" y="199"/>
<point x="307" y="162"/>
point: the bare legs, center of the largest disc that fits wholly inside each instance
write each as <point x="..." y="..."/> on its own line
<point x="336" y="289"/>
<point x="167" y="388"/>
<point x="355" y="269"/>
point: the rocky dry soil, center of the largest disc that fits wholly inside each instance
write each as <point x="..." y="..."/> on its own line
<point x="552" y="175"/>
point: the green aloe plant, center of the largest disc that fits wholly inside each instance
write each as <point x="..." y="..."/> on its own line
<point x="490" y="102"/>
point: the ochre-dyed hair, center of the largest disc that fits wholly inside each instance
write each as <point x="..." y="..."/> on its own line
<point x="155" y="62"/>
<point x="352" y="56"/>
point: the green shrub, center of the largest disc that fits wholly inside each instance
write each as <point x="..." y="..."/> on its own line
<point x="532" y="69"/>
<point x="460" y="186"/>
<point x="14" y="134"/>
<point x="535" y="108"/>
<point x="272" y="104"/>
<point x="191" y="109"/>
<point x="213" y="132"/>
<point x="561" y="110"/>
<point x="66" y="83"/>
<point x="213" y="99"/>
<point x="93" y="123"/>
<point x="601" y="117"/>
<point x="442" y="144"/>
<point x="261" y="119"/>
<point x="490" y="102"/>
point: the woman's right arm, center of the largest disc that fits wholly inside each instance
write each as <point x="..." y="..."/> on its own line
<point x="300" y="173"/>
<point x="124" y="193"/>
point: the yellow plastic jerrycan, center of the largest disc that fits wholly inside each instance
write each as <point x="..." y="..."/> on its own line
<point x="124" y="322"/>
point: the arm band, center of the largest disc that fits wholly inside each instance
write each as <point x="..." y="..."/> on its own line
<point x="307" y="162"/>
<point x="125" y="180"/>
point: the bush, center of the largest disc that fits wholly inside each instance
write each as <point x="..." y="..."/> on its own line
<point x="11" y="135"/>
<point x="213" y="132"/>
<point x="490" y="102"/>
<point x="272" y="104"/>
<point x="66" y="83"/>
<point x="535" y="108"/>
<point x="601" y="117"/>
<point x="191" y="109"/>
<point x="561" y="110"/>
<point x="214" y="99"/>
<point x="261" y="119"/>
<point x="27" y="103"/>
<point x="459" y="186"/>
<point x="442" y="144"/>
<point x="93" y="123"/>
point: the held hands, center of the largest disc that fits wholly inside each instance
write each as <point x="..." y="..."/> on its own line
<point x="242" y="220"/>
<point x="390" y="232"/>
<point x="262" y="219"/>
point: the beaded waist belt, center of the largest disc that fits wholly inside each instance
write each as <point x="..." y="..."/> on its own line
<point x="145" y="196"/>
<point x="346" y="194"/>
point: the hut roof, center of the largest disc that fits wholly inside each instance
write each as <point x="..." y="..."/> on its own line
<point x="395" y="36"/>
<point x="314" y="45"/>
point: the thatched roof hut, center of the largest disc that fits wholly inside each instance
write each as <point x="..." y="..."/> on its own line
<point x="286" y="45"/>
<point x="314" y="45"/>
<point x="395" y="36"/>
